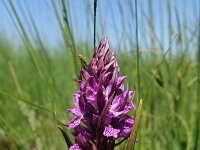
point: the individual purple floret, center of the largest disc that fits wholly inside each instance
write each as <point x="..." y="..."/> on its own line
<point x="101" y="104"/>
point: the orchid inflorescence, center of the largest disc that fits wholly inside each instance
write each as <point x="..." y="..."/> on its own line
<point x="101" y="104"/>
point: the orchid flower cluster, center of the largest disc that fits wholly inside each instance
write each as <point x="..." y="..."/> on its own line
<point x="101" y="104"/>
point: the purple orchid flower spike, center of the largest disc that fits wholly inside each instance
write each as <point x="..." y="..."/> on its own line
<point x="101" y="104"/>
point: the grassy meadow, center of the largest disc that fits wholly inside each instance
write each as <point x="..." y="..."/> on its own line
<point x="37" y="82"/>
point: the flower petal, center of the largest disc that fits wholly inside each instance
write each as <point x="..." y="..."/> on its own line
<point x="129" y="121"/>
<point x="76" y="99"/>
<point x="127" y="126"/>
<point x="76" y="112"/>
<point x="92" y="82"/>
<point x="128" y="107"/>
<point x="81" y="84"/>
<point x="106" y="77"/>
<point x="110" y="131"/>
<point x="117" y="102"/>
<point x="74" y="147"/>
<point x="74" y="122"/>
<point x="85" y="74"/>
<point x="84" y="132"/>
<point x="91" y="96"/>
<point x="120" y="80"/>
<point x="109" y="88"/>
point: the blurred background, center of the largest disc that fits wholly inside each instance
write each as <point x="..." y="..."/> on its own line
<point x="39" y="45"/>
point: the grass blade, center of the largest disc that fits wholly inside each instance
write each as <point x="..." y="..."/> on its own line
<point x="66" y="35"/>
<point x="95" y="14"/>
<point x="67" y="139"/>
<point x="133" y="136"/>
<point x="197" y="136"/>
<point x="25" y="101"/>
<point x="157" y="69"/>
<point x="137" y="47"/>
<point x="67" y="27"/>
<point x="13" y="143"/>
<point x="27" y="40"/>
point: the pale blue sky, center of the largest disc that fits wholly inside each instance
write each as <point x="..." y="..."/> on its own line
<point x="109" y="20"/>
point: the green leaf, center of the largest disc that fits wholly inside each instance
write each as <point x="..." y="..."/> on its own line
<point x="133" y="136"/>
<point x="67" y="139"/>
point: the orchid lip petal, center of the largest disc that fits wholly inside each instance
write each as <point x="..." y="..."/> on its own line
<point x="110" y="131"/>
<point x="74" y="147"/>
<point x="74" y="122"/>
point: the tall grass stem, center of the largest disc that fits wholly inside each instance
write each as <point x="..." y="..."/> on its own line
<point x="27" y="40"/>
<point x="95" y="14"/>
<point x="137" y="48"/>
<point x="197" y="140"/>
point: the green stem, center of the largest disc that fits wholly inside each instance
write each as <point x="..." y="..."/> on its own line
<point x="95" y="13"/>
<point x="137" y="48"/>
<point x="198" y="94"/>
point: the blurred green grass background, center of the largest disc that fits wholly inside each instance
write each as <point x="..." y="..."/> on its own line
<point x="37" y="84"/>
